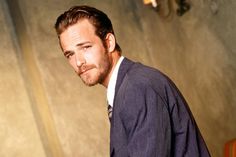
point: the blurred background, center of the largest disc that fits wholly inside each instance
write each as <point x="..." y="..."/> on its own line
<point x="45" y="109"/>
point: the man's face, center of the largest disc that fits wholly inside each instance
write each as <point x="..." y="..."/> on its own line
<point x="85" y="52"/>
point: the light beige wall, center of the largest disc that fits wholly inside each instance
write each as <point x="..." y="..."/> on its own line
<point x="19" y="134"/>
<point x="197" y="51"/>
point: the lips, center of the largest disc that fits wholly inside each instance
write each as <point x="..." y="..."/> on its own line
<point x="82" y="72"/>
<point x="85" y="69"/>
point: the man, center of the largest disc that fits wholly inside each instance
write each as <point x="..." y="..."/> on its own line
<point x="149" y="116"/>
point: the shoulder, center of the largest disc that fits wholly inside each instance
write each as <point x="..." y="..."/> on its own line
<point x="142" y="91"/>
<point x="142" y="76"/>
<point x="142" y="82"/>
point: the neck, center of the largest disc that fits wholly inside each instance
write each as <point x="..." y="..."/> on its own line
<point x="113" y="58"/>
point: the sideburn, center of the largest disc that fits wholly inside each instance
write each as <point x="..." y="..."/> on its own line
<point x="106" y="65"/>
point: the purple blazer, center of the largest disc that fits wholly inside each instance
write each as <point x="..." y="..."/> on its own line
<point x="150" y="117"/>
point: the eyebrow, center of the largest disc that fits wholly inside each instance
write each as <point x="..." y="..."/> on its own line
<point x="83" y="43"/>
<point x="67" y="52"/>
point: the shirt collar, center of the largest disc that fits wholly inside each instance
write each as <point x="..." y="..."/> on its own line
<point x="112" y="82"/>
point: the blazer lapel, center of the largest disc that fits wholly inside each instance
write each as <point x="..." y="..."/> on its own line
<point x="124" y="67"/>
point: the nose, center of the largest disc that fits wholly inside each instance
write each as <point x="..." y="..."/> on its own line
<point x="79" y="58"/>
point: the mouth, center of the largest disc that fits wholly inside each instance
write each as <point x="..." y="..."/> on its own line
<point x="84" y="71"/>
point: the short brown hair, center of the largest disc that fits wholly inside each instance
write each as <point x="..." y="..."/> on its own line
<point x="97" y="18"/>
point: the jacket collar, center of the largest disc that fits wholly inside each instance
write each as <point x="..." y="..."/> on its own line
<point x="124" y="68"/>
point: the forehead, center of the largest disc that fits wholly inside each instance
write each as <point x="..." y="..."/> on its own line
<point x="82" y="30"/>
<point x="82" y="27"/>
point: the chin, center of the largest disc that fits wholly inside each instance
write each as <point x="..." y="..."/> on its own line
<point x="90" y="83"/>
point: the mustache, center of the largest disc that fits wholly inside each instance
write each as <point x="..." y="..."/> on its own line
<point x="85" y="68"/>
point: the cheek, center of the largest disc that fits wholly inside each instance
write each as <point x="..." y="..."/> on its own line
<point x="95" y="56"/>
<point x="72" y="63"/>
<point x="91" y="57"/>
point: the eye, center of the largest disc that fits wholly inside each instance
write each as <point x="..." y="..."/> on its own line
<point x="85" y="48"/>
<point x="68" y="55"/>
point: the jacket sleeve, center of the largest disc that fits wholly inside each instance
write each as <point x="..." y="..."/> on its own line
<point x="147" y="123"/>
<point x="159" y="125"/>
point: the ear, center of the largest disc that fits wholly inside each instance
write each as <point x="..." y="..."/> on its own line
<point x="111" y="42"/>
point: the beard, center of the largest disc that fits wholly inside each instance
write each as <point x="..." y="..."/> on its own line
<point x="97" y="74"/>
